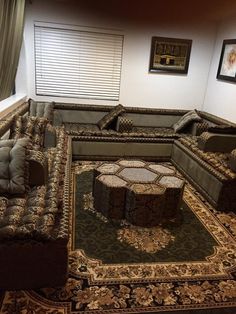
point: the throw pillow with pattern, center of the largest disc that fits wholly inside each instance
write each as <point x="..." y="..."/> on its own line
<point x="110" y="117"/>
<point x="185" y="120"/>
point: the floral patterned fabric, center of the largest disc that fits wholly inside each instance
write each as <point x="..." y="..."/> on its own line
<point x="32" y="128"/>
<point x="80" y="296"/>
<point x="36" y="215"/>
<point x="220" y="161"/>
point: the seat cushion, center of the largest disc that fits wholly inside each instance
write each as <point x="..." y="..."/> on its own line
<point x="41" y="109"/>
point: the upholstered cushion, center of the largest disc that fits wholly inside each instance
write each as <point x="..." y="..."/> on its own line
<point x="232" y="160"/>
<point x="223" y="129"/>
<point x="185" y="120"/>
<point x="124" y="124"/>
<point x="30" y="127"/>
<point x="110" y="117"/>
<point x="12" y="166"/>
<point x="38" y="168"/>
<point x="41" y="109"/>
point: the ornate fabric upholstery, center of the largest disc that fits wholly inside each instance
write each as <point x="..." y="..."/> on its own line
<point x="41" y="109"/>
<point x="222" y="129"/>
<point x="30" y="127"/>
<point x="232" y="160"/>
<point x="111" y="116"/>
<point x="216" y="142"/>
<point x="38" y="168"/>
<point x="12" y="166"/>
<point x="34" y="223"/>
<point x="124" y="124"/>
<point x="218" y="160"/>
<point x="185" y="120"/>
<point x="36" y="216"/>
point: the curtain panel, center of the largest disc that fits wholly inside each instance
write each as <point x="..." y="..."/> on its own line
<point x="11" y="34"/>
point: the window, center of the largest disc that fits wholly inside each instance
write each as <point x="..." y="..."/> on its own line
<point x="77" y="63"/>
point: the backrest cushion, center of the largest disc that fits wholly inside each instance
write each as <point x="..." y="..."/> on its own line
<point x="222" y="129"/>
<point x="110" y="117"/>
<point x="41" y="109"/>
<point x="185" y="120"/>
<point x="30" y="127"/>
<point x="12" y="166"/>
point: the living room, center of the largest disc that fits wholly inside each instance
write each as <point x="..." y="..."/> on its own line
<point x="114" y="268"/>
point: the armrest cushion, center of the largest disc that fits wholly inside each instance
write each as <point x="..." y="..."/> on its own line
<point x="232" y="160"/>
<point x="213" y="142"/>
<point x="38" y="168"/>
<point x="50" y="137"/>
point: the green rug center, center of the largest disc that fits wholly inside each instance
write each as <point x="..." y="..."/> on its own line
<point x="190" y="240"/>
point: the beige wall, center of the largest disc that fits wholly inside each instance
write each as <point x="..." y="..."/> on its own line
<point x="138" y="87"/>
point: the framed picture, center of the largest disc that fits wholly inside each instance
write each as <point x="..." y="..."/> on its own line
<point x="170" y="55"/>
<point x="227" y="66"/>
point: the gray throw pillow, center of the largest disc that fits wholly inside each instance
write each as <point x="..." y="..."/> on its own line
<point x="110" y="117"/>
<point x="185" y="120"/>
<point x="12" y="165"/>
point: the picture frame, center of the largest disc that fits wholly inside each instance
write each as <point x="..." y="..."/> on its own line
<point x="170" y="55"/>
<point x="227" y="65"/>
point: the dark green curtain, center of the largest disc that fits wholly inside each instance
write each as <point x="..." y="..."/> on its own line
<point x="11" y="34"/>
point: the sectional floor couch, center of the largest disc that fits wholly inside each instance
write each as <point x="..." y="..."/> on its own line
<point x="35" y="241"/>
<point x="200" y="150"/>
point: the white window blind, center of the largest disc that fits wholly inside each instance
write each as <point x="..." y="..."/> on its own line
<point x="75" y="63"/>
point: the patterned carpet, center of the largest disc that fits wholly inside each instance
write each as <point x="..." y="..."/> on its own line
<point x="187" y="266"/>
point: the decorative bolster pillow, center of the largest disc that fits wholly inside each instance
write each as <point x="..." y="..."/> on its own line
<point x="124" y="124"/>
<point x="110" y="117"/>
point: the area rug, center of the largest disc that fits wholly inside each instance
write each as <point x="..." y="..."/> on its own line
<point x="184" y="266"/>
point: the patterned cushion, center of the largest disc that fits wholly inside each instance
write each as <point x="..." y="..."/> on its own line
<point x="124" y="124"/>
<point x="188" y="118"/>
<point x="41" y="109"/>
<point x="30" y="127"/>
<point x="12" y="166"/>
<point x="38" y="167"/>
<point x="232" y="160"/>
<point x="108" y="118"/>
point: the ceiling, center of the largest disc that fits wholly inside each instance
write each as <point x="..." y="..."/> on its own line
<point x="157" y="10"/>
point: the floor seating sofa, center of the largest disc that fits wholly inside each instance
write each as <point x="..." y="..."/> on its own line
<point x="34" y="213"/>
<point x="200" y="149"/>
<point x="34" y="201"/>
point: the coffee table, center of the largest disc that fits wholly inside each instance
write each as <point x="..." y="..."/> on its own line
<point x="145" y="194"/>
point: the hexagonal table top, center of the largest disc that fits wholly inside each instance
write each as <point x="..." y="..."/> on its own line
<point x="108" y="168"/>
<point x="162" y="169"/>
<point x="144" y="193"/>
<point x="138" y="175"/>
<point x="112" y="180"/>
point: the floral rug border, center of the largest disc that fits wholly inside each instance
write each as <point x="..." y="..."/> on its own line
<point x="217" y="266"/>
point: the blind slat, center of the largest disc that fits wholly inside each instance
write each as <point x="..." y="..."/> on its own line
<point x="73" y="63"/>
